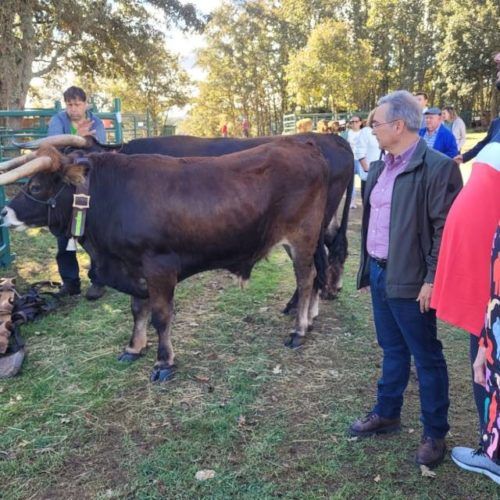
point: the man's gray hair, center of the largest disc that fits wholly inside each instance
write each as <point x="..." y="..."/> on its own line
<point x="403" y="106"/>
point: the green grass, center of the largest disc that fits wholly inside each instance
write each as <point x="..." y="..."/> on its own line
<point x="269" y="421"/>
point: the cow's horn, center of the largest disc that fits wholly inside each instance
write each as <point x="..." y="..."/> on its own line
<point x="16" y="162"/>
<point x="58" y="141"/>
<point x="26" y="170"/>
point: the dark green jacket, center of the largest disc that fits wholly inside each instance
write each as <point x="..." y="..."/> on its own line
<point x="422" y="195"/>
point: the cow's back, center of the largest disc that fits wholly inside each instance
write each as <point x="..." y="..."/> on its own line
<point x="219" y="206"/>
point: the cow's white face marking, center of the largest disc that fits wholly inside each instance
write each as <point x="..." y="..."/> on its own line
<point x="10" y="220"/>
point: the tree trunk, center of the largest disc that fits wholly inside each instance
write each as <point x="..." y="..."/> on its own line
<point x="17" y="52"/>
<point x="494" y="103"/>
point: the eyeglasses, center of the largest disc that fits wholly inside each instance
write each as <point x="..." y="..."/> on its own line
<point x="377" y="124"/>
<point x="354" y="121"/>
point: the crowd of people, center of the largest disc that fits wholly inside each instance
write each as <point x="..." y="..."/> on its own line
<point x="429" y="249"/>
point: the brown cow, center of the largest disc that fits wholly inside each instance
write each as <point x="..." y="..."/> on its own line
<point x="154" y="221"/>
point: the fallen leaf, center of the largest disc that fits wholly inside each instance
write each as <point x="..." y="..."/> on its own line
<point x="426" y="472"/>
<point x="277" y="369"/>
<point x="411" y="431"/>
<point x="193" y="323"/>
<point x="242" y="421"/>
<point x="263" y="309"/>
<point x="377" y="478"/>
<point x="351" y="439"/>
<point x="65" y="420"/>
<point x="203" y="475"/>
<point x="201" y="378"/>
<point x="335" y="439"/>
<point x="334" y="373"/>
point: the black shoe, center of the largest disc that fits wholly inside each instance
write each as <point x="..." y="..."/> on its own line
<point x="66" y="290"/>
<point x="95" y="292"/>
<point x="431" y="452"/>
<point x="373" y="424"/>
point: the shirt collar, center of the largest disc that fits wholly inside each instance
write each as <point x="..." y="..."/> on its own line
<point x="394" y="161"/>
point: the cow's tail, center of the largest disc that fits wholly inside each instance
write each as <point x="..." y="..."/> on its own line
<point x="320" y="262"/>
<point x="337" y="249"/>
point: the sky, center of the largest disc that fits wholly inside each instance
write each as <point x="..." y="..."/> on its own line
<point x="186" y="44"/>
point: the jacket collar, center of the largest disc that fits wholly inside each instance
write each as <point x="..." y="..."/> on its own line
<point x="416" y="159"/>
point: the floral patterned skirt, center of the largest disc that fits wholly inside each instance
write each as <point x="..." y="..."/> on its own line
<point x="490" y="339"/>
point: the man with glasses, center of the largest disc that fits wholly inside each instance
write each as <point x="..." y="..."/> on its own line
<point x="408" y="196"/>
<point x="353" y="140"/>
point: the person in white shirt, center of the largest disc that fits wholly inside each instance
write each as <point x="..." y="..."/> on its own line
<point x="368" y="150"/>
<point x="423" y="101"/>
<point x="458" y="128"/>
<point x="352" y="139"/>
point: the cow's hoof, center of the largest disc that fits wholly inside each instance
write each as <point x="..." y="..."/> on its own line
<point x="295" y="341"/>
<point x="128" y="357"/>
<point x="162" y="373"/>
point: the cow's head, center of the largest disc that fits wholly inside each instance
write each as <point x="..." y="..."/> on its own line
<point x="337" y="255"/>
<point x="46" y="199"/>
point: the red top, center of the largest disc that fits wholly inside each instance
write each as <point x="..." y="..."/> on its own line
<point x="461" y="286"/>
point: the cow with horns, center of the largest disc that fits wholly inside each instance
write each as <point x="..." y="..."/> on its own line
<point x="153" y="221"/>
<point x="335" y="150"/>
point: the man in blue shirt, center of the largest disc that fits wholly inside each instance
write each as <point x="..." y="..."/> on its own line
<point x="76" y="119"/>
<point x="436" y="135"/>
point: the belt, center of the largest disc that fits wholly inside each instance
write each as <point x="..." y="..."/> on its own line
<point x="382" y="263"/>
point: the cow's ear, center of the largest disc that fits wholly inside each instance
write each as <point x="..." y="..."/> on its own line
<point x="74" y="174"/>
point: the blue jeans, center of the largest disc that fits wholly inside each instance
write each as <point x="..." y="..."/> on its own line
<point x="403" y="331"/>
<point x="67" y="264"/>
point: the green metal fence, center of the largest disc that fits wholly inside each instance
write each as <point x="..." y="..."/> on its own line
<point x="33" y="124"/>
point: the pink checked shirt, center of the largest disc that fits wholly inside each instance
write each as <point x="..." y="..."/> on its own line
<point x="377" y="242"/>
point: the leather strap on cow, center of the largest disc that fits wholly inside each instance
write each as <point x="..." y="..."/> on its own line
<point x="81" y="203"/>
<point x="7" y="296"/>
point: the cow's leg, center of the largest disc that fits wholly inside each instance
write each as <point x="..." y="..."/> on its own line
<point x="304" y="273"/>
<point x="291" y="306"/>
<point x="313" y="306"/>
<point x="162" y="308"/>
<point x="140" y="311"/>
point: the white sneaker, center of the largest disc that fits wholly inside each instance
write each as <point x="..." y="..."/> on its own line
<point x="476" y="461"/>
<point x="353" y="205"/>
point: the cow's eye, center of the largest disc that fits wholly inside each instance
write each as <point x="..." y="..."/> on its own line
<point x="35" y="189"/>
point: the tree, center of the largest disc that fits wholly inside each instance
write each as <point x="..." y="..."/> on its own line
<point x="245" y="57"/>
<point x="405" y="38"/>
<point x="334" y="69"/>
<point x="471" y="36"/>
<point x="92" y="37"/>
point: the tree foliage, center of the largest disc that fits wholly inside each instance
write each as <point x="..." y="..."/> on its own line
<point x="344" y="55"/>
<point x="334" y="70"/>
<point x="245" y="62"/>
<point x="91" y="37"/>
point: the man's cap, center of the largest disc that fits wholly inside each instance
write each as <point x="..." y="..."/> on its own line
<point x="432" y="111"/>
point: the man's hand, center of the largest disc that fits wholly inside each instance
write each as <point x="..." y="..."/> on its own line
<point x="364" y="164"/>
<point x="424" y="297"/>
<point x="83" y="128"/>
<point x="479" y="367"/>
<point x="458" y="159"/>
